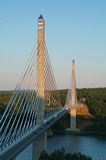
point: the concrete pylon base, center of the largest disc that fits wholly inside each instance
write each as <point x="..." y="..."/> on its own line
<point x="72" y="130"/>
<point x="72" y="127"/>
<point x="39" y="145"/>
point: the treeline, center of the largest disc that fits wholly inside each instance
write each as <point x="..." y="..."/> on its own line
<point x="4" y="99"/>
<point x="62" y="155"/>
<point x="95" y="98"/>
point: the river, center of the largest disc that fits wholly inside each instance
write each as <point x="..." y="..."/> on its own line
<point x="94" y="146"/>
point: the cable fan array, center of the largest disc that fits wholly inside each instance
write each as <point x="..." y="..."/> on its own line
<point x="52" y="97"/>
<point x="21" y="112"/>
<point x="68" y="99"/>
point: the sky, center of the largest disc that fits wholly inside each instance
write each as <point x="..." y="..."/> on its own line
<point x="74" y="29"/>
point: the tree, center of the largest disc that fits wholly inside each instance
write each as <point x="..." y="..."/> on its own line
<point x="62" y="155"/>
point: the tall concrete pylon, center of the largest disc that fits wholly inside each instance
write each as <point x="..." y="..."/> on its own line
<point x="40" y="142"/>
<point x="73" y="99"/>
<point x="73" y="104"/>
<point x="41" y="68"/>
<point x="73" y="88"/>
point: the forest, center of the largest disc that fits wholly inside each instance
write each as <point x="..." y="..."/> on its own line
<point x="95" y="98"/>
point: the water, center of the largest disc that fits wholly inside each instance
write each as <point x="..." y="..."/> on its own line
<point x="89" y="145"/>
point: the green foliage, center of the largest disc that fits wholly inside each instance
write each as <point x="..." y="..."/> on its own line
<point x="62" y="155"/>
<point x="95" y="98"/>
<point x="4" y="98"/>
<point x="63" y="94"/>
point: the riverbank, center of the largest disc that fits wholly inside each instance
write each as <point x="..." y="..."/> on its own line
<point x="87" y="133"/>
<point x="87" y="125"/>
<point x="83" y="133"/>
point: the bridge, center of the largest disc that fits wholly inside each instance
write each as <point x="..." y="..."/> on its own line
<point x="35" y="104"/>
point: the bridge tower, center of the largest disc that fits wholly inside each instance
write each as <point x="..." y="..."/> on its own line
<point x="41" y="141"/>
<point x="73" y="99"/>
<point x="73" y="103"/>
<point x="41" y="68"/>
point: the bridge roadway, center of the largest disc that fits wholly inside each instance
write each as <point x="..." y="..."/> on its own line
<point x="20" y="144"/>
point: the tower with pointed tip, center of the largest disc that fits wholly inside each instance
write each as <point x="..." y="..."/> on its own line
<point x="73" y="99"/>
<point x="73" y="88"/>
<point x="73" y="104"/>
<point x="41" y="68"/>
<point x="40" y="143"/>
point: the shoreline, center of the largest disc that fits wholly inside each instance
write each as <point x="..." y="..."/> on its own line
<point x="83" y="133"/>
<point x="88" y="133"/>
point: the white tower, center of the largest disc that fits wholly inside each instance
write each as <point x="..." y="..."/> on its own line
<point x="73" y="104"/>
<point x="73" y="99"/>
<point x="40" y="142"/>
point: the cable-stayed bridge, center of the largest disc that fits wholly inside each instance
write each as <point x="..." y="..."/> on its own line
<point x="35" y="104"/>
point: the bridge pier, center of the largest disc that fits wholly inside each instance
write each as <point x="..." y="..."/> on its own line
<point x="39" y="145"/>
<point x="72" y="127"/>
<point x="73" y="119"/>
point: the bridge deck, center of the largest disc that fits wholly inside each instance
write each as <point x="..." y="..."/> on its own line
<point x="18" y="146"/>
